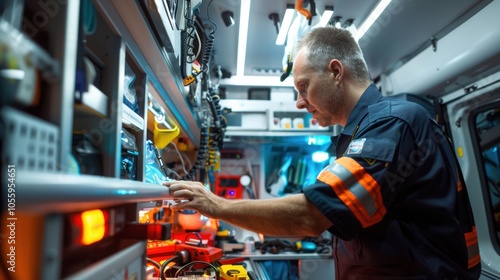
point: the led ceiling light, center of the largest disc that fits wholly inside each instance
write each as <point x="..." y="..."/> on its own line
<point x="372" y="18"/>
<point x="285" y="25"/>
<point x="326" y="16"/>
<point x="242" y="37"/>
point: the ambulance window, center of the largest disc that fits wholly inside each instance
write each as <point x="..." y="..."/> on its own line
<point x="488" y="129"/>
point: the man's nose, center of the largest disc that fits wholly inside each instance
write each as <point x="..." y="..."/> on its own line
<point x="301" y="102"/>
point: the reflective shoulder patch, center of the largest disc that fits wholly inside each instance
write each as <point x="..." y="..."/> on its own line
<point x="382" y="149"/>
<point x="355" y="147"/>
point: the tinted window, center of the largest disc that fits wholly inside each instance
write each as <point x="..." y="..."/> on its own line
<point x="488" y="132"/>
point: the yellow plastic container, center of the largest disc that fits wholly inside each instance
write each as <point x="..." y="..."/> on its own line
<point x="163" y="136"/>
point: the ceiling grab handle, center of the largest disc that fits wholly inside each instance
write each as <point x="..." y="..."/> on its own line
<point x="303" y="11"/>
<point x="299" y="6"/>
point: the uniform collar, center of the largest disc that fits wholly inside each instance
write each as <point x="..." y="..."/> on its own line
<point x="369" y="97"/>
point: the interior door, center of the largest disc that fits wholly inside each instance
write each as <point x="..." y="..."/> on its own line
<point x="472" y="119"/>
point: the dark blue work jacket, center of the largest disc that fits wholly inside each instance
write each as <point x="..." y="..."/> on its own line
<point x="395" y="196"/>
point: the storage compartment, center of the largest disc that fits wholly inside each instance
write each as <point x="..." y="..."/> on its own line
<point x="29" y="143"/>
<point x="268" y="118"/>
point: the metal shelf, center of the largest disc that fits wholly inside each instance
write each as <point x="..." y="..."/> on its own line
<point x="254" y="118"/>
<point x="56" y="192"/>
<point x="281" y="256"/>
<point x="93" y="102"/>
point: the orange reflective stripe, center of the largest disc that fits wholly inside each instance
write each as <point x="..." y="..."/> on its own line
<point x="472" y="248"/>
<point x="356" y="188"/>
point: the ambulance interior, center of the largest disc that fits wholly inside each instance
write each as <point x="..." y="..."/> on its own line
<point x="103" y="100"/>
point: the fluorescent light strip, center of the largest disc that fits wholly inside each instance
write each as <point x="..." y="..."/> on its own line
<point x="325" y="18"/>
<point x="242" y="37"/>
<point x="372" y="18"/>
<point x="285" y="25"/>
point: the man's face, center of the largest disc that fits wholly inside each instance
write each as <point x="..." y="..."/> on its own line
<point x="317" y="92"/>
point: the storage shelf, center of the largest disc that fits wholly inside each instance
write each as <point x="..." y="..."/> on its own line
<point x="94" y="102"/>
<point x="30" y="51"/>
<point x="276" y="133"/>
<point x="257" y="118"/>
<point x="281" y="256"/>
<point x="47" y="193"/>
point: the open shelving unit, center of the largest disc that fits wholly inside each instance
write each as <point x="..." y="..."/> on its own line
<point x="67" y="75"/>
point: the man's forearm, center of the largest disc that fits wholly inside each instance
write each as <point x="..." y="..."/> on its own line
<point x="290" y="215"/>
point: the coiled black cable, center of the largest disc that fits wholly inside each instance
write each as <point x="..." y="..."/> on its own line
<point x="219" y="121"/>
<point x="204" y="139"/>
<point x="209" y="43"/>
<point x="190" y="36"/>
<point x="183" y="54"/>
<point x="181" y="258"/>
<point x="186" y="43"/>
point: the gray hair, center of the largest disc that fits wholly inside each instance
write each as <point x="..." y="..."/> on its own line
<point x="325" y="43"/>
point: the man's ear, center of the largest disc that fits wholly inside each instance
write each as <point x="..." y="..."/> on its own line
<point x="337" y="69"/>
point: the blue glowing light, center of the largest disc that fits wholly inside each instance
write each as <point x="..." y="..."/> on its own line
<point x="126" y="192"/>
<point x="320" y="156"/>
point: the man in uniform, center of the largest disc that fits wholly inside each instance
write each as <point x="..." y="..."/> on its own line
<point x="394" y="198"/>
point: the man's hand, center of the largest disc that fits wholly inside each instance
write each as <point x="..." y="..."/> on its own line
<point x="194" y="196"/>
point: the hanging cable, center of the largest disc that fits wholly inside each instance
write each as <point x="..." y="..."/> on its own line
<point x="190" y="35"/>
<point x="209" y="44"/>
<point x="207" y="53"/>
<point x="199" y="163"/>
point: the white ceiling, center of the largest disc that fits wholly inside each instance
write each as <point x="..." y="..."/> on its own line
<point x="403" y="29"/>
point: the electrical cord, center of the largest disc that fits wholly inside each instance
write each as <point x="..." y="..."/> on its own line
<point x="185" y="41"/>
<point x="201" y="153"/>
<point x="164" y="266"/>
<point x="171" y="171"/>
<point x="156" y="264"/>
<point x="276" y="246"/>
<point x="207" y="52"/>
<point x="190" y="35"/>
<point x="209" y="44"/>
<point x="212" y="137"/>
<point x="153" y="262"/>
<point x="181" y="257"/>
<point x="180" y="157"/>
<point x="324" y="244"/>
<point x="183" y="54"/>
<point x="189" y="265"/>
